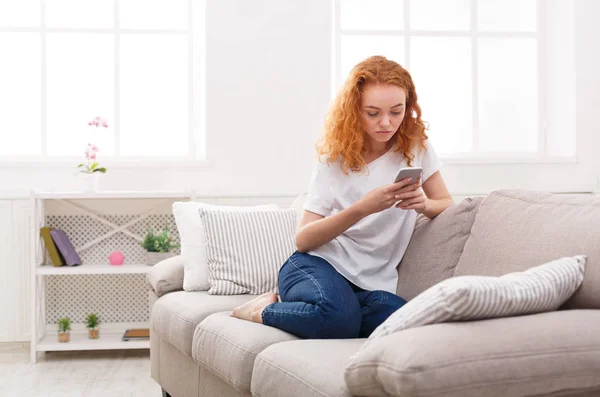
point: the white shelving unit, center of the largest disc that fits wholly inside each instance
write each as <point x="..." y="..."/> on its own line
<point x="44" y="336"/>
<point x="92" y="269"/>
<point x="110" y="338"/>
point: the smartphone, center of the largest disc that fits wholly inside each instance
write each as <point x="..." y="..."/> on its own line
<point x="413" y="172"/>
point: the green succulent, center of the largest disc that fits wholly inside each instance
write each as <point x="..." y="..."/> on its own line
<point x="64" y="324"/>
<point x="159" y="242"/>
<point x="92" y="320"/>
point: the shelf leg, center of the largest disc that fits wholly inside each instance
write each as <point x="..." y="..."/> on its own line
<point x="33" y="354"/>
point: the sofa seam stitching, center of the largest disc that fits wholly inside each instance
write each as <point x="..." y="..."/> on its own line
<point x="371" y="363"/>
<point x="233" y="344"/>
<point x="476" y="385"/>
<point x="539" y="202"/>
<point x="290" y="375"/>
<point x="177" y="344"/>
<point x="210" y="368"/>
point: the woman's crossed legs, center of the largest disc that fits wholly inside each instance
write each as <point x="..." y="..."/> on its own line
<point x="319" y="303"/>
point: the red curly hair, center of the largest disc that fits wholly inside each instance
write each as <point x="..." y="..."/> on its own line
<point x="344" y="130"/>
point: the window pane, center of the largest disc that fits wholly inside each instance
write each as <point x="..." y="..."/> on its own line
<point x="153" y="14"/>
<point x="372" y="14"/>
<point x="440" y="15"/>
<point x="154" y="95"/>
<point x="20" y="13"/>
<point x="80" y="13"/>
<point x="508" y="112"/>
<point x="357" y="48"/>
<point x="80" y="86"/>
<point x="507" y="15"/>
<point x="20" y="94"/>
<point x="441" y="70"/>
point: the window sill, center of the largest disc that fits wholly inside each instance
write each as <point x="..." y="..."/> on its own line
<point x="491" y="159"/>
<point x="65" y="163"/>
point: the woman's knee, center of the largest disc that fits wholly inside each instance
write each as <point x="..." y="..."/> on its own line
<point x="383" y="301"/>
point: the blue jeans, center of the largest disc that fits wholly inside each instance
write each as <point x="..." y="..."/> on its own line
<point x="319" y="303"/>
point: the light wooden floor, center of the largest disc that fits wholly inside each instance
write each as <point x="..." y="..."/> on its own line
<point x="75" y="374"/>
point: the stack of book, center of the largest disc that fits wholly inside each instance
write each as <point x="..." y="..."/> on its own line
<point x="59" y="247"/>
<point x="136" y="334"/>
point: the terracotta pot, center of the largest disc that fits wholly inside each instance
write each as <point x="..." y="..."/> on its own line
<point x="93" y="333"/>
<point x="64" y="337"/>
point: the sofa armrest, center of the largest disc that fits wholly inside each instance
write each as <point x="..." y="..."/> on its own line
<point x="166" y="276"/>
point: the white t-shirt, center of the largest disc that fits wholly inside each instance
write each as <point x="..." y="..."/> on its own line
<point x="369" y="252"/>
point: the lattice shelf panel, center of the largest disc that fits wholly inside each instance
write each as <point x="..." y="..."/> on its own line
<point x="116" y="298"/>
<point x="82" y="229"/>
<point x="120" y="298"/>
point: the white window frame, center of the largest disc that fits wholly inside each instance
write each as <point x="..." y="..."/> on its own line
<point x="481" y="173"/>
<point x="407" y="33"/>
<point x="197" y="141"/>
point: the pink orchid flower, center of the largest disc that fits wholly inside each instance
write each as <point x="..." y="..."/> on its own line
<point x="91" y="151"/>
<point x="99" y="122"/>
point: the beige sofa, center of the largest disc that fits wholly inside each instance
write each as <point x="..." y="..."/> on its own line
<point x="198" y="350"/>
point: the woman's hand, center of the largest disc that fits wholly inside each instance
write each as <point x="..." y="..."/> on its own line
<point x="413" y="199"/>
<point x="385" y="196"/>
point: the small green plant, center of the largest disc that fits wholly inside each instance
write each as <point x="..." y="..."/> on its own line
<point x="92" y="320"/>
<point x="159" y="242"/>
<point x="64" y="324"/>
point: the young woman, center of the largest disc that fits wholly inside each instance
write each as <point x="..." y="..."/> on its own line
<point x="357" y="223"/>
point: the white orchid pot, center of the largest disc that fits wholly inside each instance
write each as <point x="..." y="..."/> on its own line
<point x="89" y="182"/>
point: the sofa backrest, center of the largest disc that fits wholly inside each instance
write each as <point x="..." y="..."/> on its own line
<point x="435" y="247"/>
<point x="515" y="230"/>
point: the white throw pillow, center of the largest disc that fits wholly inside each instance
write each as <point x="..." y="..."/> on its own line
<point x="539" y="289"/>
<point x="245" y="249"/>
<point x="193" y="241"/>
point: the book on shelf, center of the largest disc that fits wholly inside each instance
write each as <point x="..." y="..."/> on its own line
<point x="136" y="334"/>
<point x="65" y="247"/>
<point x="55" y="255"/>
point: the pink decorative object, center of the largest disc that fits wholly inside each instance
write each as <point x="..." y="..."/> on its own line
<point x="116" y="258"/>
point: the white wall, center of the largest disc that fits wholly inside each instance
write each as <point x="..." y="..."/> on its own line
<point x="15" y="275"/>
<point x="268" y="88"/>
<point x="587" y="60"/>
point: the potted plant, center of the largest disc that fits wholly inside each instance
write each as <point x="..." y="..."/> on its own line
<point x="91" y="170"/>
<point x="92" y="321"/>
<point x="158" y="245"/>
<point x="64" y="326"/>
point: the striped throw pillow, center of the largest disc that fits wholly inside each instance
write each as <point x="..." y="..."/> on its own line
<point x="539" y="289"/>
<point x="246" y="248"/>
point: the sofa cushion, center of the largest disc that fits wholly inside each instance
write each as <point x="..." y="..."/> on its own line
<point x="228" y="346"/>
<point x="540" y="289"/>
<point x="515" y="230"/>
<point x="166" y="276"/>
<point x="313" y="367"/>
<point x="246" y="248"/>
<point x="192" y="234"/>
<point x="176" y="315"/>
<point x="547" y="354"/>
<point x="435" y="247"/>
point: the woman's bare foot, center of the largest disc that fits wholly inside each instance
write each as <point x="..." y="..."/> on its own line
<point x="252" y="310"/>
